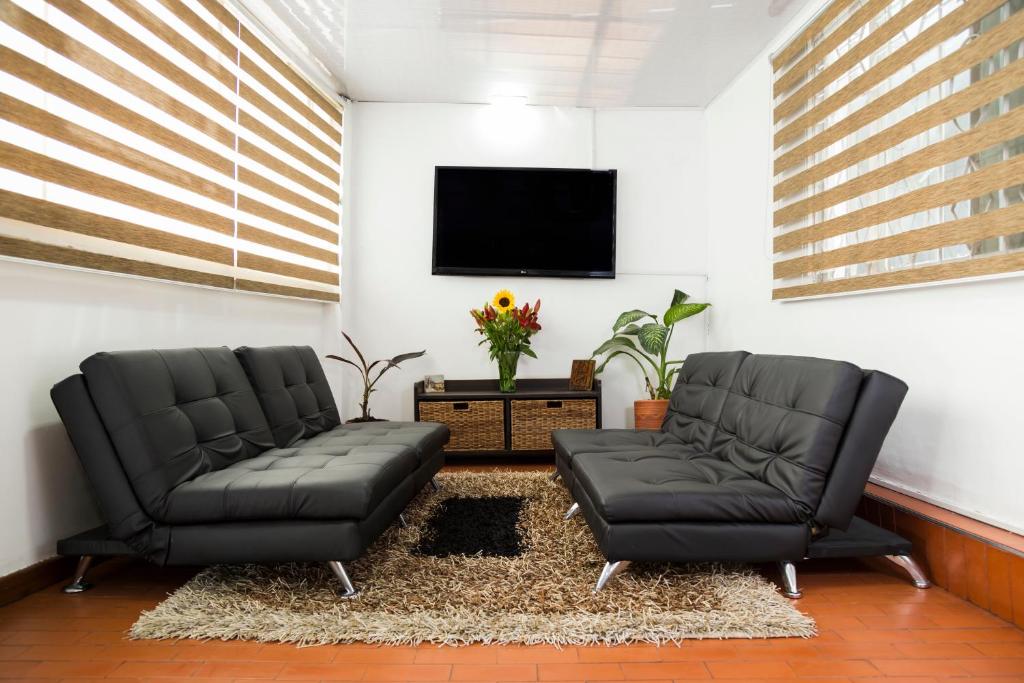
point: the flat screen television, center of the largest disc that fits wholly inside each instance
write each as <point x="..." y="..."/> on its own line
<point x="542" y="222"/>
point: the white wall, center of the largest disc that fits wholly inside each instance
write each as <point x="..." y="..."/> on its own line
<point x="393" y="304"/>
<point x="54" y="318"/>
<point x="957" y="441"/>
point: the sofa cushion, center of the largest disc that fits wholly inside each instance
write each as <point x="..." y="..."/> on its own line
<point x="571" y="442"/>
<point x="783" y="419"/>
<point x="677" y="485"/>
<point x="425" y="438"/>
<point x="292" y="389"/>
<point x="174" y="415"/>
<point x="699" y="394"/>
<point x="311" y="481"/>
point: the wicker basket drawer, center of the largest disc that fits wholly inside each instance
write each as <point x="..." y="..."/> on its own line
<point x="533" y="421"/>
<point x="475" y="425"/>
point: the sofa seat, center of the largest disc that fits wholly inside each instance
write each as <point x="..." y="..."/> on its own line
<point x="425" y="438"/>
<point x="320" y="479"/>
<point x="569" y="443"/>
<point x="677" y="484"/>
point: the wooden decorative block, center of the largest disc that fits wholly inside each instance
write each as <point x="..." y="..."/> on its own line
<point x="433" y="383"/>
<point x="582" y="376"/>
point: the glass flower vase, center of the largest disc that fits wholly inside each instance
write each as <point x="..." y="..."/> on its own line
<point x="507" y="362"/>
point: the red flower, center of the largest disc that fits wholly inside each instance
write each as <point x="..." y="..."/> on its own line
<point x="526" y="318"/>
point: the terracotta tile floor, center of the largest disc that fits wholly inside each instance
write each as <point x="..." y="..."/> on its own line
<point x="873" y="625"/>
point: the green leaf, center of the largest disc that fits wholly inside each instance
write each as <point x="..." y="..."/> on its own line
<point x="678" y="297"/>
<point x="631" y="328"/>
<point x="527" y="351"/>
<point x="652" y="337"/>
<point x="621" y="352"/>
<point x="615" y="342"/>
<point x="682" y="311"/>
<point x="629" y="317"/>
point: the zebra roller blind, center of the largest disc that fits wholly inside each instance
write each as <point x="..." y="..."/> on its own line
<point x="165" y="139"/>
<point x="898" y="132"/>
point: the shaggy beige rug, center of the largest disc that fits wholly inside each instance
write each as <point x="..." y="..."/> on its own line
<point x="543" y="595"/>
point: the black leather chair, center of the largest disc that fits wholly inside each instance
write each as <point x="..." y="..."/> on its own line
<point x="760" y="458"/>
<point x="203" y="455"/>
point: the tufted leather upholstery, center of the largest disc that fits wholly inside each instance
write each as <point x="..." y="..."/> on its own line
<point x="183" y="458"/>
<point x="749" y="442"/>
<point x="292" y="390"/>
<point x="783" y="419"/>
<point x="341" y="474"/>
<point x="174" y="415"/>
<point x="425" y="438"/>
<point x="683" y="484"/>
<point x="699" y="395"/>
<point x="305" y="482"/>
<point x="571" y="442"/>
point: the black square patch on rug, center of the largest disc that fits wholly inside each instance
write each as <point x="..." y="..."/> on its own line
<point x="488" y="527"/>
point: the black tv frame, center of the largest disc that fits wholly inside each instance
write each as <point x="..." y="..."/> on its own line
<point x="530" y="272"/>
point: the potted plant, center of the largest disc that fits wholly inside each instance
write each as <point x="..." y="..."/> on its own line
<point x="646" y="343"/>
<point x="507" y="331"/>
<point x="369" y="383"/>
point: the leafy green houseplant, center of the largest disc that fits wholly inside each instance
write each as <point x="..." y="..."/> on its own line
<point x="643" y="338"/>
<point x="365" y="369"/>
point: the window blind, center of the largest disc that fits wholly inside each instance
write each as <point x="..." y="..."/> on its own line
<point x="165" y="139"/>
<point x="898" y="132"/>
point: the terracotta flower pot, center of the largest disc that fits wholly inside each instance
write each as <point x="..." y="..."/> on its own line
<point x="648" y="414"/>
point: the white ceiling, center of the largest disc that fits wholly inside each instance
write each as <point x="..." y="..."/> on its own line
<point x="589" y="53"/>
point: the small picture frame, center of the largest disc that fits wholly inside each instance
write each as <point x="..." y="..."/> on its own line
<point x="582" y="376"/>
<point x="433" y="384"/>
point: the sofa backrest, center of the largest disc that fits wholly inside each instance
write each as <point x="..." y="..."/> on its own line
<point x="811" y="428"/>
<point x="699" y="394"/>
<point x="175" y="414"/>
<point x="783" y="420"/>
<point x="125" y="519"/>
<point x="878" y="402"/>
<point x="292" y="389"/>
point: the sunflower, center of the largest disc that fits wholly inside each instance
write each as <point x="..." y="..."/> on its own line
<point x="504" y="300"/>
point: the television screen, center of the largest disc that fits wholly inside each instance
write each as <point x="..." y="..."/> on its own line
<point x="546" y="222"/>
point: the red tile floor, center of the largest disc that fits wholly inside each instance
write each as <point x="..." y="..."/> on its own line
<point x="873" y="625"/>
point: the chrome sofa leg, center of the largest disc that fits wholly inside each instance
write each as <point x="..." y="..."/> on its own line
<point x="572" y="512"/>
<point x="402" y="521"/>
<point x="911" y="566"/>
<point x="610" y="571"/>
<point x="78" y="583"/>
<point x="790" y="588"/>
<point x="554" y="476"/>
<point x="434" y="484"/>
<point x="347" y="589"/>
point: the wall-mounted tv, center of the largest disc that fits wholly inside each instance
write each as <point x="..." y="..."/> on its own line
<point x="542" y="222"/>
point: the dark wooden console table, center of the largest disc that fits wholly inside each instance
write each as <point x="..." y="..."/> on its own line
<point x="484" y="421"/>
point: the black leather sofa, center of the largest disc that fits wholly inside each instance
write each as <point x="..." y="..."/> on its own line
<point x="204" y="455"/>
<point x="760" y="458"/>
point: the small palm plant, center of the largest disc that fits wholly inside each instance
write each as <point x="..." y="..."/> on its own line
<point x="647" y="343"/>
<point x="365" y="369"/>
